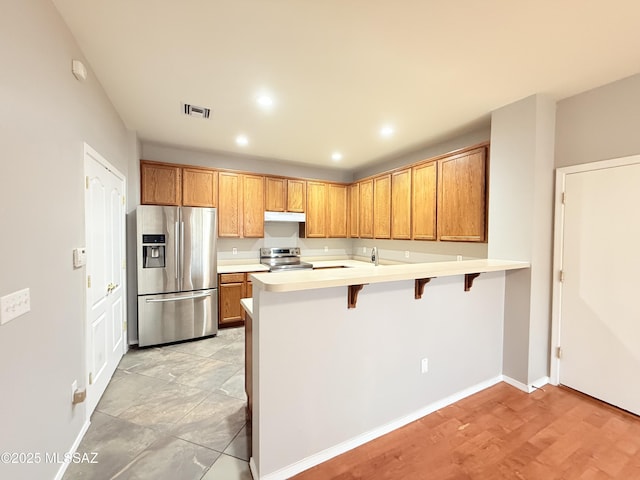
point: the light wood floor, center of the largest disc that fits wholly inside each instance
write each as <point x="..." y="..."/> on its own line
<point x="501" y="433"/>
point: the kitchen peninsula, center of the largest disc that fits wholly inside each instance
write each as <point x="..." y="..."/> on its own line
<point x="342" y="356"/>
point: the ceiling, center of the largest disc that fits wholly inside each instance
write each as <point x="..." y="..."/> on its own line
<point x="339" y="70"/>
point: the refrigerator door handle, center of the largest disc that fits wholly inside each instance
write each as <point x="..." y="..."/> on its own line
<point x="176" y="251"/>
<point x="175" y="299"/>
<point x="181" y="254"/>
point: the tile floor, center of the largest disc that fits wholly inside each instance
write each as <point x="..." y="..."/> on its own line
<point x="172" y="412"/>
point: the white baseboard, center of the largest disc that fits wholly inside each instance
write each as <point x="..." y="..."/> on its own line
<point x="343" y="447"/>
<point x="524" y="387"/>
<point x="74" y="447"/>
<point x="254" y="470"/>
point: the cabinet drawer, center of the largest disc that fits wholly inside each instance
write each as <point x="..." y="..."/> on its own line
<point x="231" y="278"/>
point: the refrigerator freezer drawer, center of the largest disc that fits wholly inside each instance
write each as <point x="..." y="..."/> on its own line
<point x="177" y="316"/>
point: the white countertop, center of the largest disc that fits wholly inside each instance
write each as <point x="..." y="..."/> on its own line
<point x="258" y="267"/>
<point x="247" y="305"/>
<point x="241" y="268"/>
<point x="363" y="273"/>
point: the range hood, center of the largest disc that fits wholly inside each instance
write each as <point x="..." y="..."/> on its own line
<point x="284" y="217"/>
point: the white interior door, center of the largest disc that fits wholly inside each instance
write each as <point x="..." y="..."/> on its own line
<point x="105" y="297"/>
<point x="600" y="311"/>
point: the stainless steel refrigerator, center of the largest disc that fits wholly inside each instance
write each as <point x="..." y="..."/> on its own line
<point x="177" y="273"/>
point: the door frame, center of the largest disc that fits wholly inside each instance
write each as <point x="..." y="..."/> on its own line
<point x="90" y="154"/>
<point x="558" y="239"/>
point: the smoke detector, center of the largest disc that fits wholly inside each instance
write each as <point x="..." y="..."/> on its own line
<point x="195" y="111"/>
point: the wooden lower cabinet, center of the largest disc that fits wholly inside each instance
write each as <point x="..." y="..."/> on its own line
<point x="231" y="289"/>
<point x="248" y="364"/>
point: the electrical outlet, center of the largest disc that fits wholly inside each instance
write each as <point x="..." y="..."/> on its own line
<point x="459" y="258"/>
<point x="364" y="249"/>
<point x="326" y="249"/>
<point x="424" y="365"/>
<point x="406" y="254"/>
<point x="13" y="305"/>
<point x="234" y="251"/>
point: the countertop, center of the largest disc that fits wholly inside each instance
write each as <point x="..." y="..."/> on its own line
<point x="253" y="266"/>
<point x="364" y="273"/>
<point x="243" y="267"/>
<point x="247" y="305"/>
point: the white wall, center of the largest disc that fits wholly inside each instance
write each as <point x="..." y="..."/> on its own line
<point x="599" y="124"/>
<point x="46" y="116"/>
<point x="327" y="374"/>
<point x="520" y="228"/>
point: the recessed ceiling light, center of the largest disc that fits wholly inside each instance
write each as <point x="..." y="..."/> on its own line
<point x="242" y="140"/>
<point x="265" y="101"/>
<point x="336" y="156"/>
<point x="386" y="131"/>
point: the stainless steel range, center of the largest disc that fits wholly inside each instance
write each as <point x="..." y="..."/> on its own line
<point x="283" y="259"/>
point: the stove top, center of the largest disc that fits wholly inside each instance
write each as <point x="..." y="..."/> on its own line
<point x="285" y="259"/>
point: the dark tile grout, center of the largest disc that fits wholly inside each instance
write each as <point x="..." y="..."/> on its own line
<point x="169" y="433"/>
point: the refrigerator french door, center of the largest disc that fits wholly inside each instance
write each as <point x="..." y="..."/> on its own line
<point x="177" y="274"/>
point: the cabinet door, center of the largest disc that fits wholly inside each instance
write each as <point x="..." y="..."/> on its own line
<point x="337" y="211"/>
<point x="276" y="194"/>
<point x="296" y="195"/>
<point x="366" y="209"/>
<point x="382" y="206"/>
<point x="253" y="206"/>
<point x="316" y="210"/>
<point x="230" y="308"/>
<point x="160" y="184"/>
<point x="401" y="205"/>
<point x="199" y="188"/>
<point x="229" y="211"/>
<point x="423" y="201"/>
<point x="462" y="197"/>
<point x="354" y="203"/>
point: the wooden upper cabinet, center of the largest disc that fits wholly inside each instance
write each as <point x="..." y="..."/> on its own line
<point x="382" y="206"/>
<point x="253" y="206"/>
<point x="275" y="199"/>
<point x="296" y="195"/>
<point x="229" y="205"/>
<point x="160" y="184"/>
<point x="401" y="204"/>
<point x="285" y="195"/>
<point x="423" y="201"/>
<point x="316" y="225"/>
<point x="199" y="187"/>
<point x="354" y="203"/>
<point x="366" y="209"/>
<point x="337" y="211"/>
<point x="462" y="197"/>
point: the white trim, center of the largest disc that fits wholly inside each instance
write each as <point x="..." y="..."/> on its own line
<point x="88" y="151"/>
<point x="72" y="450"/>
<point x="561" y="175"/>
<point x="253" y="468"/>
<point x="524" y="387"/>
<point x="355" y="442"/>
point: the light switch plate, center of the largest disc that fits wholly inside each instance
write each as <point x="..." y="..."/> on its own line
<point x="79" y="257"/>
<point x="13" y="305"/>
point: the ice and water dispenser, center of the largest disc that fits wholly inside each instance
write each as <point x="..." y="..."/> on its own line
<point x="153" y="251"/>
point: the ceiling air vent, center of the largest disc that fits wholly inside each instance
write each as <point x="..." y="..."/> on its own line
<point x="195" y="111"/>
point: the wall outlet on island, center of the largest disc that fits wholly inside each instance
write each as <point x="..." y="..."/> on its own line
<point x="424" y="365"/>
<point x="406" y="254"/>
<point x="234" y="251"/>
<point x="326" y="249"/>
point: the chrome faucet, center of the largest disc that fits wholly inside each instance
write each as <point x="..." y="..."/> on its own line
<point x="374" y="256"/>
